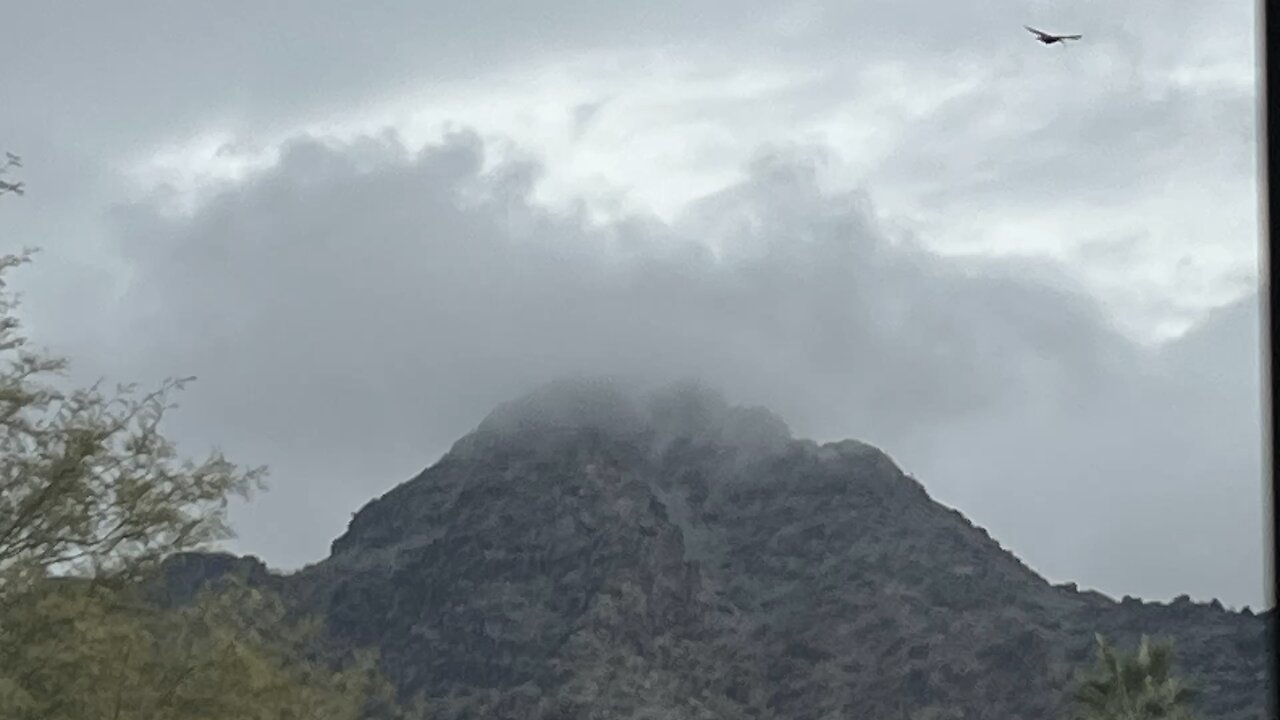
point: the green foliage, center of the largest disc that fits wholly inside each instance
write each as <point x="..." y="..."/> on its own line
<point x="78" y="650"/>
<point x="90" y="485"/>
<point x="92" y="497"/>
<point x="1133" y="686"/>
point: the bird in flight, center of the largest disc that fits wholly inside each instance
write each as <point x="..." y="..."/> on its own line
<point x="1048" y="39"/>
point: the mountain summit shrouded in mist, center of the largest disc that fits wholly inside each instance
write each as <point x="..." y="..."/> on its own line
<point x="600" y="550"/>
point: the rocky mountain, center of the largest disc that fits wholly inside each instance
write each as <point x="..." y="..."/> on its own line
<point x="597" y="551"/>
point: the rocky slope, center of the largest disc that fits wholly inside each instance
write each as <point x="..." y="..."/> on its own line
<point x="594" y="552"/>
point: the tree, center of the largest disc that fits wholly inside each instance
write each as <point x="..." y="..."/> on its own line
<point x="73" y="652"/>
<point x="88" y="484"/>
<point x="11" y="161"/>
<point x="92" y="497"/>
<point x="1133" y="686"/>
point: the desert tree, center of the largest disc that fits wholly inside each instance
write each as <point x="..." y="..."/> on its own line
<point x="93" y="496"/>
<point x="89" y="485"/>
<point x="1132" y="686"/>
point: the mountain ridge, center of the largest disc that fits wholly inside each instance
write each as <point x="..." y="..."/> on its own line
<point x="595" y="549"/>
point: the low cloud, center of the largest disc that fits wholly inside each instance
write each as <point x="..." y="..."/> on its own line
<point x="356" y="308"/>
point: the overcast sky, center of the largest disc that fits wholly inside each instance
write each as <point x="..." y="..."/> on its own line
<point x="1028" y="273"/>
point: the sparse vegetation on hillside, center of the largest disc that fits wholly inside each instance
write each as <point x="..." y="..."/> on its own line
<point x="1133" y="686"/>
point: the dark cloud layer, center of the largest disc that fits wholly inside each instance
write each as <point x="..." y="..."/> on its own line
<point x="355" y="309"/>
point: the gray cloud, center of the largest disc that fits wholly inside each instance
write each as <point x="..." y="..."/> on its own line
<point x="355" y="309"/>
<point x="151" y="70"/>
<point x="1039" y="131"/>
<point x="119" y="77"/>
<point x="1151" y="486"/>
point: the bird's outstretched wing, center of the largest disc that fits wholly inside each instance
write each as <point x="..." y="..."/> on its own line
<point x="1036" y="32"/>
<point x="1070" y="37"/>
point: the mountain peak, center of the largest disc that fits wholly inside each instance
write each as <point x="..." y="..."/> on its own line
<point x="606" y="405"/>
<point x="602" y="548"/>
<point x="647" y="416"/>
